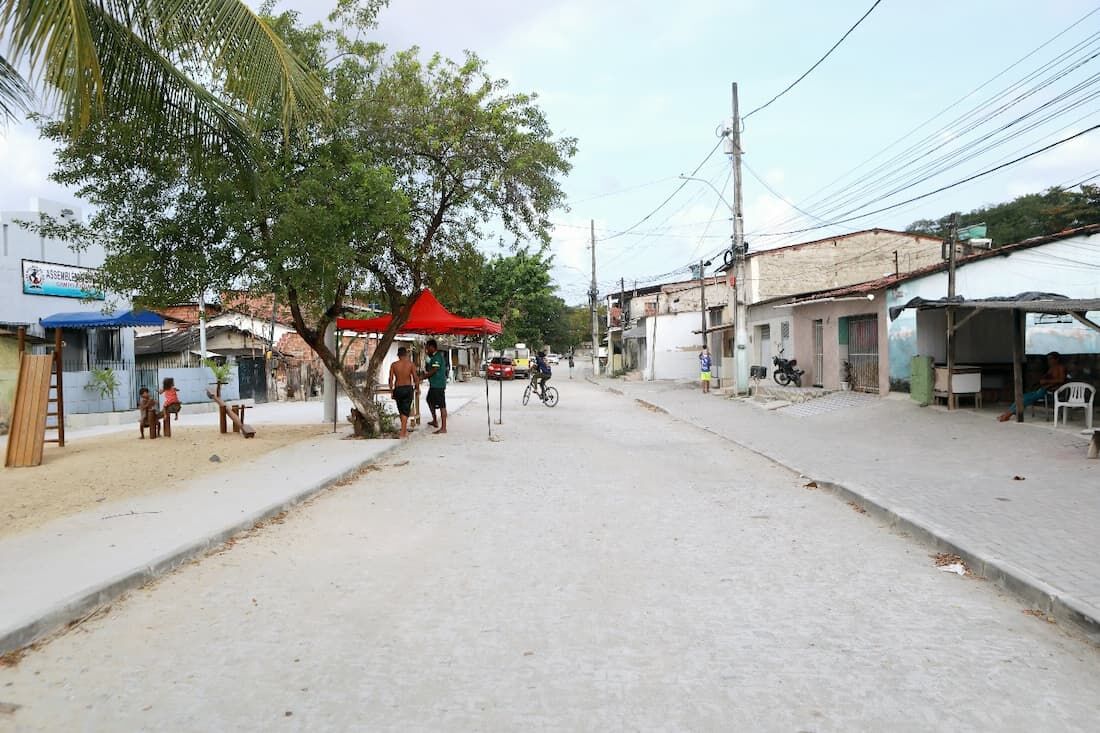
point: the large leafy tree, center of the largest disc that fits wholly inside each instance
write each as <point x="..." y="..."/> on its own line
<point x="196" y="72"/>
<point x="517" y="291"/>
<point x="1030" y="215"/>
<point x="387" y="194"/>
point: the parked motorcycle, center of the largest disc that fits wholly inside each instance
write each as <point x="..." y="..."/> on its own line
<point x="786" y="371"/>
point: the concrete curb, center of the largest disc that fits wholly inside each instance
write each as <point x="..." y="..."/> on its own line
<point x="75" y="609"/>
<point x="1017" y="581"/>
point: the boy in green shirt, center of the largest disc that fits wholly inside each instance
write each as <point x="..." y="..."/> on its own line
<point x="435" y="371"/>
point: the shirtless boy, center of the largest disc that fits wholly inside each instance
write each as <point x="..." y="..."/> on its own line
<point x="402" y="383"/>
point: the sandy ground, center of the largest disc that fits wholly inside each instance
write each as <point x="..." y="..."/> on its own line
<point x="102" y="468"/>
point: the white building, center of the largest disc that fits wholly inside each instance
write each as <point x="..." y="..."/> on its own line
<point x="25" y="257"/>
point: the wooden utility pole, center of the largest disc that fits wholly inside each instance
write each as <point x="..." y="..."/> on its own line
<point x="593" y="293"/>
<point x="703" y="300"/>
<point x="951" y="247"/>
<point x="741" y="282"/>
<point x="622" y="324"/>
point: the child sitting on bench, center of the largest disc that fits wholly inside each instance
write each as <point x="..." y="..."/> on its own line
<point x="171" y="397"/>
<point x="148" y="413"/>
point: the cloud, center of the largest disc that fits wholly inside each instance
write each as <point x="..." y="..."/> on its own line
<point x="27" y="162"/>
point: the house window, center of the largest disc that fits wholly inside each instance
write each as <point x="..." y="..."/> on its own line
<point x="108" y="345"/>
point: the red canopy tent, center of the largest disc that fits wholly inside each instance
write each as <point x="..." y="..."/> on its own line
<point x="428" y="317"/>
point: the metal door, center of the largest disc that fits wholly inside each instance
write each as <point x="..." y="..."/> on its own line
<point x="252" y="378"/>
<point x="819" y="353"/>
<point x="764" y="337"/>
<point x="863" y="352"/>
<point x="144" y="377"/>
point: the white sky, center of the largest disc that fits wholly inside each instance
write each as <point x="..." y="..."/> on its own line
<point x="644" y="84"/>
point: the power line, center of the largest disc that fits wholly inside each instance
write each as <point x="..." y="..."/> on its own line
<point x="618" y="191"/>
<point x="979" y="113"/>
<point x="941" y="188"/>
<point x="671" y="196"/>
<point x="794" y="83"/>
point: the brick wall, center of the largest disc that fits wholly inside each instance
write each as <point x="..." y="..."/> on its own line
<point x="837" y="262"/>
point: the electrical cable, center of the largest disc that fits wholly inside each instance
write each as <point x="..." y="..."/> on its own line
<point x="946" y="187"/>
<point x="671" y="196"/>
<point x="933" y="138"/>
<point x="808" y="71"/>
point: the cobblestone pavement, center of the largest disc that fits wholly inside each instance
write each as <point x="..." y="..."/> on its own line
<point x="601" y="567"/>
<point x="956" y="472"/>
<point x="828" y="403"/>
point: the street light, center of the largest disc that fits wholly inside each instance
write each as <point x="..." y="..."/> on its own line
<point x="741" y="338"/>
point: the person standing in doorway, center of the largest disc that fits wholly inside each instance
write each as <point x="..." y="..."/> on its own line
<point x="402" y="385"/>
<point x="704" y="369"/>
<point x="435" y="371"/>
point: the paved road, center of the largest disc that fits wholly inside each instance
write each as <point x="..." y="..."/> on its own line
<point x="951" y="472"/>
<point x="602" y="567"/>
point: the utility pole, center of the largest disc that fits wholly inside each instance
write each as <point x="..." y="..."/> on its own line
<point x="703" y="300"/>
<point x="622" y="324"/>
<point x="741" y="282"/>
<point x="951" y="247"/>
<point x="593" y="293"/>
<point x="202" y="326"/>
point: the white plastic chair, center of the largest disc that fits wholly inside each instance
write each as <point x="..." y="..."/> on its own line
<point x="1074" y="394"/>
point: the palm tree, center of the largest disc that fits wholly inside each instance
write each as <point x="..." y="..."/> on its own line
<point x="158" y="60"/>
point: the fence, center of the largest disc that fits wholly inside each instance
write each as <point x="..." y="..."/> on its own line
<point x="81" y="396"/>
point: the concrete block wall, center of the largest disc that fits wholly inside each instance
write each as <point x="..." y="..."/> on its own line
<point x="80" y="399"/>
<point x="192" y="384"/>
<point x="837" y="262"/>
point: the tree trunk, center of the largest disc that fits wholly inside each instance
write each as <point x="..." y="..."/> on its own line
<point x="366" y="414"/>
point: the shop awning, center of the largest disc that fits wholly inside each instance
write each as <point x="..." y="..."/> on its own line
<point x="126" y="319"/>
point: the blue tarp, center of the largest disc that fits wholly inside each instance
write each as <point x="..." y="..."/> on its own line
<point x="126" y="319"/>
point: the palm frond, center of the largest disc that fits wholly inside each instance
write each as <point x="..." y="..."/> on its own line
<point x="143" y="84"/>
<point x="259" y="68"/>
<point x="15" y="94"/>
<point x="55" y="39"/>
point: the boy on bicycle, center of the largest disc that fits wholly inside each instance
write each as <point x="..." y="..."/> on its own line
<point x="541" y="374"/>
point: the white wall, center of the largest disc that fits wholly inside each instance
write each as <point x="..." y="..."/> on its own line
<point x="80" y="400"/>
<point x="673" y="348"/>
<point x="17" y="244"/>
<point x="774" y="318"/>
<point x="192" y="383"/>
<point x="1069" y="267"/>
<point x="256" y="326"/>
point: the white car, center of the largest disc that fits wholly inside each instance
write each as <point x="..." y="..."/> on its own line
<point x="553" y="358"/>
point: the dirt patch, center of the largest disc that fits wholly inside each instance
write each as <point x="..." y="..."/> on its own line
<point x="92" y="471"/>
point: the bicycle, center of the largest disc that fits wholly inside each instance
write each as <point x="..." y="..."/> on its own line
<point x="550" y="398"/>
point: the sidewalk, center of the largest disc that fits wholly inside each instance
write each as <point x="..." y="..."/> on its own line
<point x="946" y="477"/>
<point x="71" y="567"/>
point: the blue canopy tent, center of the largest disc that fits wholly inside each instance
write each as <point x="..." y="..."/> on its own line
<point x="126" y="319"/>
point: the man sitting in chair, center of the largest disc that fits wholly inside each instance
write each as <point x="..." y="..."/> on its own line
<point x="1054" y="378"/>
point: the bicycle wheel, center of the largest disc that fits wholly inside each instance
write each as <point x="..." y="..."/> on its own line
<point x="551" y="397"/>
<point x="527" y="394"/>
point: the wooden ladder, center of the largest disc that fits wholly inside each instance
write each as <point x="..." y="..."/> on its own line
<point x="56" y="401"/>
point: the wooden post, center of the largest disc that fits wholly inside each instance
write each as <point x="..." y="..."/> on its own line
<point x="58" y="349"/>
<point x="22" y="340"/>
<point x="222" y="421"/>
<point x="237" y="411"/>
<point x="166" y="430"/>
<point x="1018" y="324"/>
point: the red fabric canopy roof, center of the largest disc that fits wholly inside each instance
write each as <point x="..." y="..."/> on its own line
<point x="428" y="317"/>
